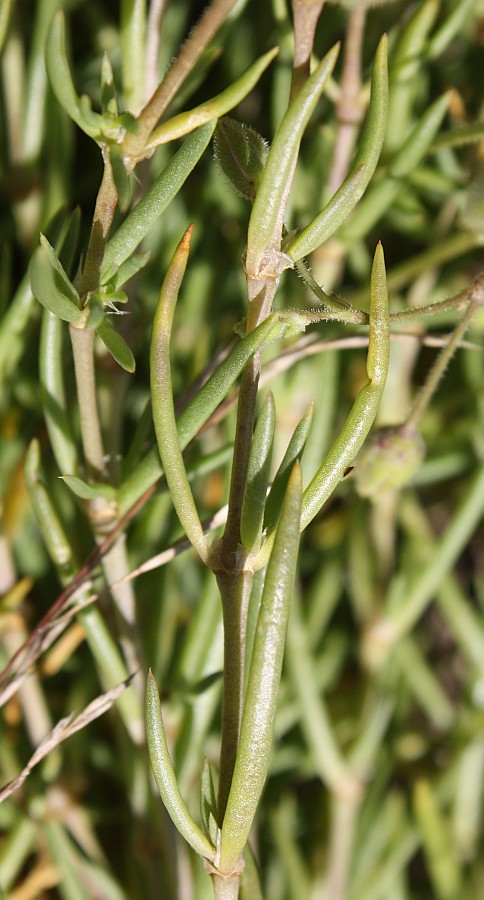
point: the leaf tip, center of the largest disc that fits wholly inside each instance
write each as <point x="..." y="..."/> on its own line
<point x="187" y="238"/>
<point x="295" y="479"/>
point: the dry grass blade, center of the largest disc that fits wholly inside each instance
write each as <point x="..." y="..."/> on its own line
<point x="63" y="730"/>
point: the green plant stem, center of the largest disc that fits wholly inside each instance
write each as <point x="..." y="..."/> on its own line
<point x="242" y="445"/>
<point x="115" y="566"/>
<point x="92" y="442"/>
<point x="256" y="733"/>
<point x="261" y="292"/>
<point x="430" y="309"/>
<point x="349" y="107"/>
<point x="53" y="393"/>
<point x="212" y="19"/>
<point x="235" y="585"/>
<point x="440" y="365"/>
<point x="154" y="26"/>
<point x="100" y="512"/>
<point x="235" y="592"/>
<point x="305" y="19"/>
<point x="344" y="819"/>
<point x="226" y="888"/>
<point x="106" y="201"/>
<point x="83" y="340"/>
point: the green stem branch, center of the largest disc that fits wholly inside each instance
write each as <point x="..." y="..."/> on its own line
<point x="83" y="340"/>
<point x="212" y="19"/>
<point x="440" y="365"/>
<point x="235" y="595"/>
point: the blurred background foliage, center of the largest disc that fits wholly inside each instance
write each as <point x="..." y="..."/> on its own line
<point x="81" y="826"/>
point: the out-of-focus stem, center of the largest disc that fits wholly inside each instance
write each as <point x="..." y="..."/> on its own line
<point x="440" y="365"/>
<point x="212" y="19"/>
<point x="305" y="19"/>
<point x="349" y="109"/>
<point x="106" y="201"/>
<point x="83" y="353"/>
<point x="115" y="566"/>
<point x="344" y="820"/>
<point x="153" y="38"/>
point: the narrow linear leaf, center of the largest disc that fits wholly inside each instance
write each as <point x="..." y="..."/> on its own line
<point x="96" y="312"/>
<point x="129" y="269"/>
<point x="418" y="142"/>
<point x="52" y="531"/>
<point x="89" y="491"/>
<point x="364" y="165"/>
<point x="293" y="454"/>
<point x="116" y="345"/>
<point x="208" y="801"/>
<point x="269" y="199"/>
<point x="166" y="779"/>
<point x="467" y="810"/>
<point x="5" y="9"/>
<point x="406" y="58"/>
<point x="55" y="406"/>
<point x="451" y="543"/>
<point x="380" y="197"/>
<point x="365" y="407"/>
<point x="66" y="244"/>
<point x="257" y="726"/>
<point x="468" y="134"/>
<point x="162" y="401"/>
<point x="331" y="217"/>
<point x="61" y="80"/>
<point x="109" y="103"/>
<point x="202" y="406"/>
<point x="51" y="361"/>
<point x="438" y="845"/>
<point x="216" y="388"/>
<point x="123" y="180"/>
<point x="51" y="286"/>
<point x="62" y="279"/>
<point x="443" y="35"/>
<point x="407" y="65"/>
<point x="258" y="472"/>
<point x="215" y="108"/>
<point x="136" y="226"/>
